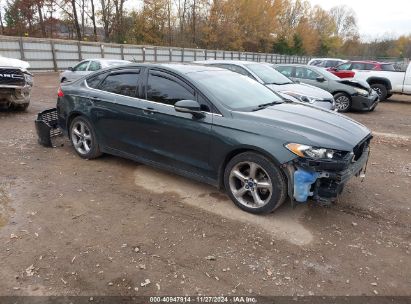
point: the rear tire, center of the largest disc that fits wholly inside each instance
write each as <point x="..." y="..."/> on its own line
<point x="254" y="183"/>
<point x="342" y="102"/>
<point x="84" y="138"/>
<point x="381" y="90"/>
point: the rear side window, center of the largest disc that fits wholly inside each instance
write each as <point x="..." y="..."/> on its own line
<point x="387" y="67"/>
<point x="345" y="66"/>
<point x="95" y="80"/>
<point x="358" y="66"/>
<point x="165" y="90"/>
<point x="121" y="83"/>
<point x="285" y="70"/>
<point x="94" y="66"/>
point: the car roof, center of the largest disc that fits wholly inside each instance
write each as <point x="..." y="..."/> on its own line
<point x="182" y="68"/>
<point x="235" y="62"/>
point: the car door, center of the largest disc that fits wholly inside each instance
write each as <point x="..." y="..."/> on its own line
<point x="118" y="113"/>
<point x="178" y="140"/>
<point x="288" y="71"/>
<point x="309" y="76"/>
<point x="78" y="71"/>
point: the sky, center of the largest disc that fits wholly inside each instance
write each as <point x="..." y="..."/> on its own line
<point x="378" y="18"/>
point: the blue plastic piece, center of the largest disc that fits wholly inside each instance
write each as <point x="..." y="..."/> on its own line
<point x="303" y="180"/>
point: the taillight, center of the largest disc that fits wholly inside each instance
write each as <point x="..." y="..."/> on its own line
<point x="60" y="92"/>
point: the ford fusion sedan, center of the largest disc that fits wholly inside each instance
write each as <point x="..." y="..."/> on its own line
<point x="348" y="94"/>
<point x="215" y="126"/>
<point x="275" y="81"/>
<point x="89" y="66"/>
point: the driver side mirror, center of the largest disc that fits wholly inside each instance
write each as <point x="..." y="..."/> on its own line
<point x="320" y="79"/>
<point x="70" y="68"/>
<point x="189" y="106"/>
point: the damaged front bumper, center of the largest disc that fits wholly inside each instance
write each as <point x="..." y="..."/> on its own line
<point x="324" y="180"/>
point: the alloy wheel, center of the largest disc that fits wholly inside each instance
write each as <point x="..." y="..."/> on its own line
<point x="81" y="137"/>
<point x="250" y="184"/>
<point x="342" y="103"/>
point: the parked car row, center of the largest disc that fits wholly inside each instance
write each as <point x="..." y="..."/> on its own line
<point x="233" y="130"/>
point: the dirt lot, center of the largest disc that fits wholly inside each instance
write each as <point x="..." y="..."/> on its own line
<point x="103" y="227"/>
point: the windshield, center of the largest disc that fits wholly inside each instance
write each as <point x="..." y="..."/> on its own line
<point x="268" y="74"/>
<point x="235" y="91"/>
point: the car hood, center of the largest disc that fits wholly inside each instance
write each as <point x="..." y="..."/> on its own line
<point x="11" y="62"/>
<point x="303" y="124"/>
<point x="303" y="89"/>
<point x="356" y="83"/>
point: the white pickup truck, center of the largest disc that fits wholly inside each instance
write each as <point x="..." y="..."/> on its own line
<point x="386" y="83"/>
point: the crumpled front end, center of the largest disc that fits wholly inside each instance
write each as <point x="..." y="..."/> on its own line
<point x="15" y="87"/>
<point x="324" y="179"/>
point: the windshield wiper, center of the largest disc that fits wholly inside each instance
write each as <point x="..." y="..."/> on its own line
<point x="265" y="105"/>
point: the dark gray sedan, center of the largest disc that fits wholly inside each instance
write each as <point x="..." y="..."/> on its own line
<point x="348" y="94"/>
<point x="214" y="126"/>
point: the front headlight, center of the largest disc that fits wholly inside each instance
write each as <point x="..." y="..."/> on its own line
<point x="312" y="152"/>
<point x="301" y="97"/>
<point x="361" y="91"/>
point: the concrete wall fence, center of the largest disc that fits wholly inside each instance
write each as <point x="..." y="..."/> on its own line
<point x="57" y="54"/>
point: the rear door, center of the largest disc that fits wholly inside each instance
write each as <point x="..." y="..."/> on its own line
<point x="178" y="140"/>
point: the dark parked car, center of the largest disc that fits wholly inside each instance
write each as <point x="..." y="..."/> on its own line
<point x="348" y="94"/>
<point x="215" y="126"/>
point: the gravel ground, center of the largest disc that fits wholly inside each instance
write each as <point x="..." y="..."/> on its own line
<point x="115" y="227"/>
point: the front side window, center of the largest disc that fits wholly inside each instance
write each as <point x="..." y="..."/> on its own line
<point x="82" y="66"/>
<point x="165" y="90"/>
<point x="121" y="83"/>
<point x="94" y="66"/>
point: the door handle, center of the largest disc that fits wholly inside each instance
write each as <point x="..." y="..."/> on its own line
<point x="149" y="111"/>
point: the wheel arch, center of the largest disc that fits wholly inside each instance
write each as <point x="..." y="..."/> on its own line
<point x="230" y="155"/>
<point x="380" y="80"/>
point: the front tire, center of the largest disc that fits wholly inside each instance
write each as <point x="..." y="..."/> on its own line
<point x="342" y="102"/>
<point x="381" y="90"/>
<point x="83" y="138"/>
<point x="254" y="183"/>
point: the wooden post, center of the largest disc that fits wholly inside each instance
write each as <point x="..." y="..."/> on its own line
<point x="144" y="54"/>
<point x="182" y="55"/>
<point x="170" y="54"/>
<point x="80" y="56"/>
<point x="205" y="54"/>
<point x="53" y="53"/>
<point x="122" y="51"/>
<point x="215" y="55"/>
<point x="21" y="49"/>
<point x="155" y="54"/>
<point x="102" y="50"/>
